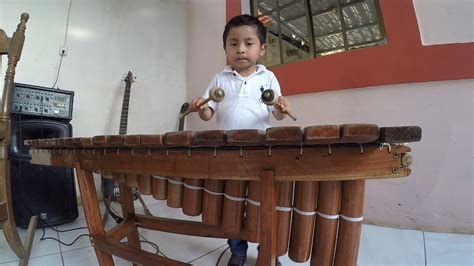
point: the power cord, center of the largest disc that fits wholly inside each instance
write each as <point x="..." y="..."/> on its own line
<point x="59" y="69"/>
<point x="158" y="251"/>
<point x="63" y="52"/>
<point x="115" y="216"/>
<point x="59" y="231"/>
<point x="154" y="245"/>
<point x="220" y="256"/>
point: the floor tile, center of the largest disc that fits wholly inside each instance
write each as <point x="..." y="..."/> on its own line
<point x="449" y="249"/>
<point x="50" y="260"/>
<point x="181" y="247"/>
<point x="80" y="257"/>
<point x="212" y="257"/>
<point x="40" y="248"/>
<point x="69" y="237"/>
<point x="148" y="199"/>
<point x="285" y="260"/>
<point x="80" y="211"/>
<point x="389" y="246"/>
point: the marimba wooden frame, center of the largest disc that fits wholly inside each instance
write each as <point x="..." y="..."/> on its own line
<point x="266" y="164"/>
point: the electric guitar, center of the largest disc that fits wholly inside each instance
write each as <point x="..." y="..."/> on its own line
<point x="110" y="188"/>
<point x="129" y="79"/>
<point x="184" y="109"/>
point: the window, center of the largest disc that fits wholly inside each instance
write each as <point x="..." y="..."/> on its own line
<point x="304" y="29"/>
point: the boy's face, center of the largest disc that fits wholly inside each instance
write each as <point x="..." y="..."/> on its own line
<point x="243" y="49"/>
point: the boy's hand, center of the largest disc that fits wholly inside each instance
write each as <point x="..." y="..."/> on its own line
<point x="282" y="108"/>
<point x="204" y="111"/>
<point x="283" y="105"/>
<point x="197" y="106"/>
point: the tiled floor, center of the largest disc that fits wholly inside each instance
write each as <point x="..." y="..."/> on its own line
<point x="379" y="246"/>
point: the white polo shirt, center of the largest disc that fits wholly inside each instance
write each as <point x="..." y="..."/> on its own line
<point x="241" y="107"/>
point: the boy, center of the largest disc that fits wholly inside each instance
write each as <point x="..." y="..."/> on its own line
<point x="243" y="82"/>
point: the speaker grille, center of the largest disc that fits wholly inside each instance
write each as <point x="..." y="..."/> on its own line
<point x="46" y="191"/>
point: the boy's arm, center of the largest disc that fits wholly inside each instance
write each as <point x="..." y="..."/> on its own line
<point x="204" y="111"/>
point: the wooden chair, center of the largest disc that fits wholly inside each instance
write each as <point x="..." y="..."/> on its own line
<point x="11" y="47"/>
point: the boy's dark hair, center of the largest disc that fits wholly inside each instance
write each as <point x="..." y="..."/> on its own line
<point x="246" y="20"/>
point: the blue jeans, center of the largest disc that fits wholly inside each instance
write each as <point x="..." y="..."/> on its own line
<point x="238" y="247"/>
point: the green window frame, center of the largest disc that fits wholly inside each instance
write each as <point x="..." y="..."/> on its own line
<point x="305" y="29"/>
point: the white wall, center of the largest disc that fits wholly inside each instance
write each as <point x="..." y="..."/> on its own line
<point x="445" y="21"/>
<point x="205" y="51"/>
<point x="105" y="40"/>
<point x="438" y="195"/>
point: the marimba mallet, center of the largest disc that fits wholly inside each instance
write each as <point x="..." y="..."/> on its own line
<point x="216" y="94"/>
<point x="268" y="98"/>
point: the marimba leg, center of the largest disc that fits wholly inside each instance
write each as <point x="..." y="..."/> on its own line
<point x="92" y="212"/>
<point x="128" y="211"/>
<point x="268" y="224"/>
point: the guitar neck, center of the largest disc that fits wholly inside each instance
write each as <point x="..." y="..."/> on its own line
<point x="124" y="115"/>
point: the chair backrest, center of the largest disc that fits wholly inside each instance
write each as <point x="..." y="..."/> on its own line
<point x="11" y="47"/>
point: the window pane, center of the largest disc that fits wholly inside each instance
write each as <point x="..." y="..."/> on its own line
<point x="308" y="28"/>
<point x="272" y="56"/>
<point x="327" y="23"/>
<point x="327" y="26"/>
<point x="322" y="5"/>
<point x="360" y="14"/>
<point x="264" y="6"/>
<point x="368" y="34"/>
<point x="362" y="24"/>
<point x="294" y="32"/>
<point x="282" y="3"/>
<point x="329" y="42"/>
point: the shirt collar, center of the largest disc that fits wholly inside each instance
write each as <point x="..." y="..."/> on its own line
<point x="260" y="69"/>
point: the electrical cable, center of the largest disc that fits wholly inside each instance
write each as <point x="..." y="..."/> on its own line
<point x="59" y="69"/>
<point x="220" y="256"/>
<point x="53" y="238"/>
<point x="144" y="239"/>
<point x="154" y="245"/>
<point x="115" y="216"/>
<point x="64" y="43"/>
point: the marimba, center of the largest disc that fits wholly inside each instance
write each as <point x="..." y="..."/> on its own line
<point x="292" y="190"/>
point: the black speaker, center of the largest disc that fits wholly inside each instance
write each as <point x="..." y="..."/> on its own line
<point x="46" y="191"/>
